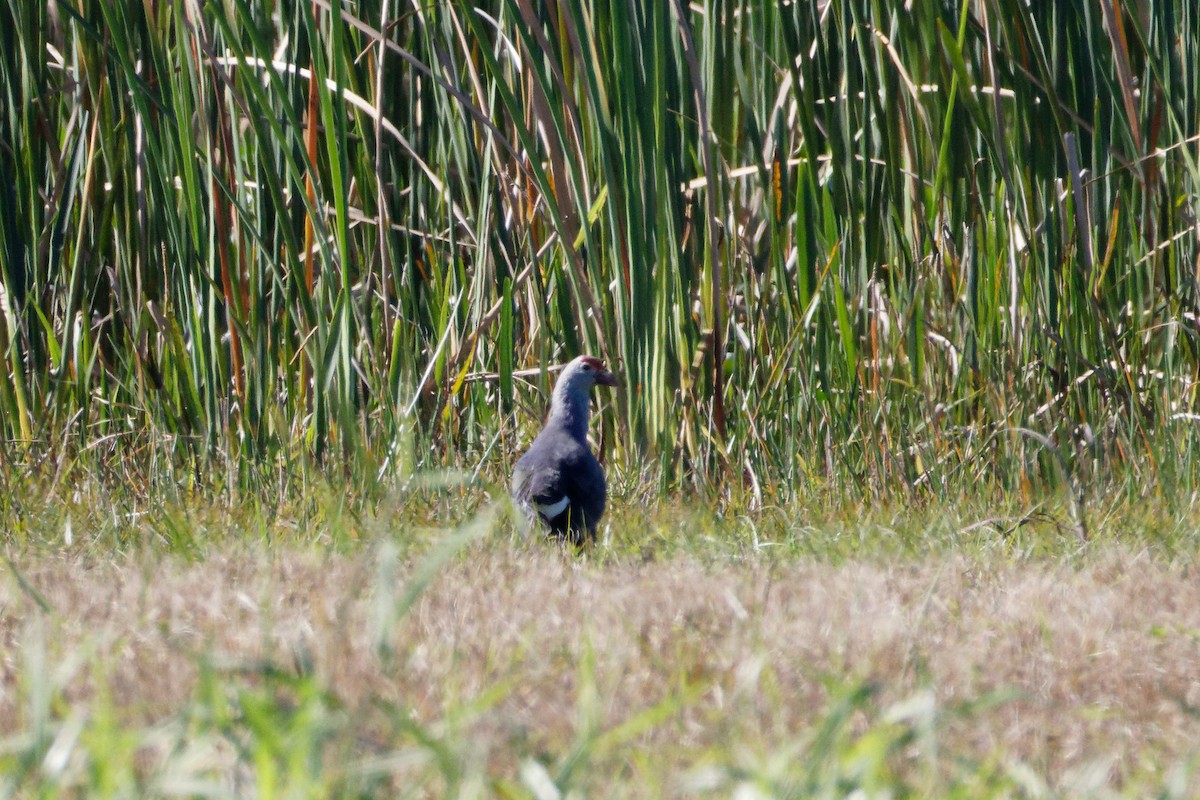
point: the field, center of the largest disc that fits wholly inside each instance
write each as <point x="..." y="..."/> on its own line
<point x="892" y="652"/>
<point x="903" y="473"/>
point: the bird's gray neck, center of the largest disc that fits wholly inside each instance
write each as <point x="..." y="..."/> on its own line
<point x="570" y="411"/>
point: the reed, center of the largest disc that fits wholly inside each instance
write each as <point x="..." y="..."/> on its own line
<point x="895" y="249"/>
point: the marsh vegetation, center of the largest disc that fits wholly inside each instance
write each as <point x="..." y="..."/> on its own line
<point x="905" y="298"/>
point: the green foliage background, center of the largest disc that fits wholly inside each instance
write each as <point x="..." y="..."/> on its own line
<point x="883" y="245"/>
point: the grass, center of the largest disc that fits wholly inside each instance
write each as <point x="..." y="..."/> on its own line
<point x="978" y="650"/>
<point x="896" y="652"/>
<point x="903" y="474"/>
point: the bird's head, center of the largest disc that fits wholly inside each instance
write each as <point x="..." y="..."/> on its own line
<point x="569" y="407"/>
<point x="585" y="372"/>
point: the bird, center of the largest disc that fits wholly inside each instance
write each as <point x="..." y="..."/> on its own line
<point x="558" y="482"/>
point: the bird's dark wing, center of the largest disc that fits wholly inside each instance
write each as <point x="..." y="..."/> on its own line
<point x="561" y="482"/>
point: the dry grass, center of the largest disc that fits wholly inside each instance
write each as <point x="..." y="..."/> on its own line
<point x="507" y="644"/>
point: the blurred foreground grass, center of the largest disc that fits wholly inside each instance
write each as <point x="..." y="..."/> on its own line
<point x="320" y="648"/>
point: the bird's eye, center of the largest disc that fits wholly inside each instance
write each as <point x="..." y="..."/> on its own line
<point x="587" y="367"/>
